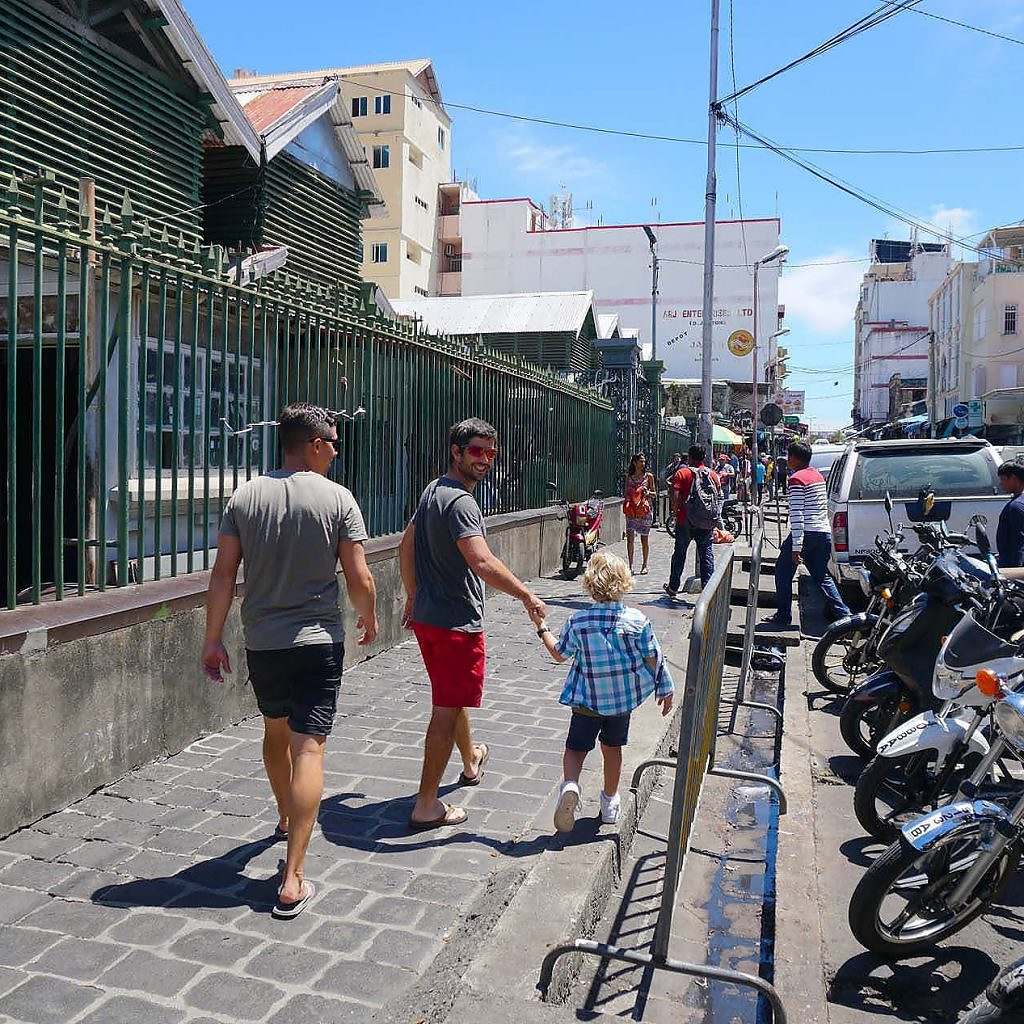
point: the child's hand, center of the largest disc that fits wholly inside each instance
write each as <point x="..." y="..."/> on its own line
<point x="666" y="704"/>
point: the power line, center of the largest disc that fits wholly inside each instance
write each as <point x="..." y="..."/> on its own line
<point x="889" y="9"/>
<point x="736" y="111"/>
<point x="881" y="205"/>
<point x="746" y="266"/>
<point x="654" y="137"/>
<point x="966" y="25"/>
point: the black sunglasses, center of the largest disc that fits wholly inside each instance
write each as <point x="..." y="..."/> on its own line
<point x="332" y="441"/>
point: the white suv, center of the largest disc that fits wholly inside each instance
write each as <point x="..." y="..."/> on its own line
<point x="962" y="473"/>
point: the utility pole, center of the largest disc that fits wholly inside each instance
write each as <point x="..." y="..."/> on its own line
<point x="933" y="377"/>
<point x="654" y="290"/>
<point x="706" y="424"/>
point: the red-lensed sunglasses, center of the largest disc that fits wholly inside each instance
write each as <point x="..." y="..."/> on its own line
<point x="478" y="451"/>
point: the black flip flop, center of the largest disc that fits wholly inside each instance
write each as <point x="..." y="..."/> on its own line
<point x="475" y="781"/>
<point x="442" y="822"/>
<point x="280" y="833"/>
<point x="286" y="911"/>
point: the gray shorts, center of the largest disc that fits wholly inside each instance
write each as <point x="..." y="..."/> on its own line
<point x="300" y="684"/>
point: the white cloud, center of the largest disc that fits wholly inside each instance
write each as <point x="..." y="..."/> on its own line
<point x="549" y="163"/>
<point x="823" y="296"/>
<point x="957" y="221"/>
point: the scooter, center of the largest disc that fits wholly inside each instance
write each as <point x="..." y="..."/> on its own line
<point x="582" y="533"/>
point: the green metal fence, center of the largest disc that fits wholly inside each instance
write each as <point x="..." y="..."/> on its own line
<point x="142" y="376"/>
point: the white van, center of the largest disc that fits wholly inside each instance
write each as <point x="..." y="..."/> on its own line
<point x="961" y="472"/>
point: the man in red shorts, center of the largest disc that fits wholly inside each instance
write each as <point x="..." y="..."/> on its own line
<point x="445" y="562"/>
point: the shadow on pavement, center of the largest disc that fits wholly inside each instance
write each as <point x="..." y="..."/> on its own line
<point x="928" y="988"/>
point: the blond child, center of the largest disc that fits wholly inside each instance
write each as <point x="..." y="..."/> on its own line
<point x="616" y="664"/>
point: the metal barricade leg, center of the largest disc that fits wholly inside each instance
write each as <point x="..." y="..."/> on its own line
<point x="630" y="956"/>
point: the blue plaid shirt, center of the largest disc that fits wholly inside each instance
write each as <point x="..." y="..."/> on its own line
<point x="608" y="643"/>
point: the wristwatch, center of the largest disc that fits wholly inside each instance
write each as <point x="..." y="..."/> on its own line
<point x="543" y="630"/>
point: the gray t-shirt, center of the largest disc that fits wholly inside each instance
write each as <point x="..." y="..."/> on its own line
<point x="290" y="525"/>
<point x="448" y="593"/>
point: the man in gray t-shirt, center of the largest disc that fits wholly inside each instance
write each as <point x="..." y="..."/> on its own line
<point x="291" y="528"/>
<point x="445" y="562"/>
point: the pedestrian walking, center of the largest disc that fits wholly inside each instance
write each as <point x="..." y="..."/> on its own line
<point x="291" y="528"/>
<point x="809" y="540"/>
<point x="727" y="475"/>
<point x="1010" y="532"/>
<point x="638" y="508"/>
<point x="445" y="561"/>
<point x="758" y="478"/>
<point x="616" y="664"/>
<point x="698" y="507"/>
<point x="769" y="477"/>
<point x="781" y="476"/>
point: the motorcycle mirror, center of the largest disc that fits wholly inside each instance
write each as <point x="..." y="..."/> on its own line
<point x="888" y="503"/>
<point x="926" y="499"/>
<point x="981" y="539"/>
<point x="552" y="486"/>
<point x="598" y="494"/>
<point x="978" y="520"/>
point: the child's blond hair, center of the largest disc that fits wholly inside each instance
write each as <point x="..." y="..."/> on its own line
<point x="607" y="577"/>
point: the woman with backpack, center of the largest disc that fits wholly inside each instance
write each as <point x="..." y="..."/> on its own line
<point x="641" y="492"/>
<point x="697" y="496"/>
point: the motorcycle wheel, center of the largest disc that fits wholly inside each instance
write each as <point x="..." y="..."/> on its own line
<point x="898" y="908"/>
<point x="581" y="557"/>
<point x="988" y="1013"/>
<point x="566" y="561"/>
<point x="844" y="653"/>
<point x="863" y="725"/>
<point x="892" y="790"/>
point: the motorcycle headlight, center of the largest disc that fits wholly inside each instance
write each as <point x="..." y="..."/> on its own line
<point x="948" y="683"/>
<point x="1009" y="715"/>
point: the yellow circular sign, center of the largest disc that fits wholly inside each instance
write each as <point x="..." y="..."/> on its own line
<point x="741" y="343"/>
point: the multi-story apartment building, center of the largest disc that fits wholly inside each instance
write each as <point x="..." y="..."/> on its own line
<point x="501" y="246"/>
<point x="398" y="114"/>
<point x="892" y="317"/>
<point x="951" y="379"/>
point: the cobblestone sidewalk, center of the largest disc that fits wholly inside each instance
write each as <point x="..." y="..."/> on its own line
<point x="149" y="900"/>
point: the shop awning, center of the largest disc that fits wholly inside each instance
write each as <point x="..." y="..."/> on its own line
<point x="723" y="435"/>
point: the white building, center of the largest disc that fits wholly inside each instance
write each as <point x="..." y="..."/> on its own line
<point x="398" y="114"/>
<point x="951" y="380"/>
<point x="510" y="245"/>
<point x="892" y="322"/>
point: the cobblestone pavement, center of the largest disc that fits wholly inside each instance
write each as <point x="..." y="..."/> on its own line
<point x="149" y="900"/>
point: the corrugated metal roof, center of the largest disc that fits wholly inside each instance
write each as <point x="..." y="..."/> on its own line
<point x="607" y="324"/>
<point x="526" y="313"/>
<point x="421" y="66"/>
<point x="266" y="108"/>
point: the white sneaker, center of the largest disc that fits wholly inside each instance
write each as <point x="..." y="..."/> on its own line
<point x="610" y="808"/>
<point x="568" y="804"/>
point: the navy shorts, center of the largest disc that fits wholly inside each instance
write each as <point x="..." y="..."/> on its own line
<point x="298" y="683"/>
<point x="584" y="730"/>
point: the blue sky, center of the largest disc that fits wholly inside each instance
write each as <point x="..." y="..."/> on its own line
<point x="911" y="83"/>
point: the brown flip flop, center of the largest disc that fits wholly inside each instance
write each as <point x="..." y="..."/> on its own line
<point x="452" y="816"/>
<point x="464" y="780"/>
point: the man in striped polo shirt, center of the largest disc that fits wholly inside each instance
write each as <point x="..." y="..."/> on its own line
<point x="809" y="540"/>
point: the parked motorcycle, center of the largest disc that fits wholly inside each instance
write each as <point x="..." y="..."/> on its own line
<point x="949" y="865"/>
<point x="910" y="643"/>
<point x="582" y="533"/>
<point x="1003" y="1001"/>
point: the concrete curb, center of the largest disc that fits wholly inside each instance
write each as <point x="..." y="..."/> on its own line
<point x="565" y="894"/>
<point x="799" y="939"/>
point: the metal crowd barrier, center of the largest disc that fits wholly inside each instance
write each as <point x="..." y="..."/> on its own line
<point x="695" y="760"/>
<point x="749" y="637"/>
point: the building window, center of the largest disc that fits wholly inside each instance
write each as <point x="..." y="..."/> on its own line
<point x="422" y="202"/>
<point x="416" y="101"/>
<point x="382" y="104"/>
<point x="1010" y="319"/>
<point x="420" y="291"/>
<point x="440" y="137"/>
<point x="379" y="252"/>
<point x="359" y="106"/>
<point x="381" y="157"/>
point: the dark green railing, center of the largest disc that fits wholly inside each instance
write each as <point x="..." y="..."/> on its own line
<point x="142" y="377"/>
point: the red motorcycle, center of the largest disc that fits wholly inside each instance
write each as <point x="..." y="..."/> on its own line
<point x="582" y="533"/>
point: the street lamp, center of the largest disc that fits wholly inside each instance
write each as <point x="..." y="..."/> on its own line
<point x="652" y="238"/>
<point x="779" y="253"/>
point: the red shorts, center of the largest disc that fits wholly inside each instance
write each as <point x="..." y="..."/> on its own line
<point x="455" y="663"/>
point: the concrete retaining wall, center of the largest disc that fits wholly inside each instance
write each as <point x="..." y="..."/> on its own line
<point x="95" y="686"/>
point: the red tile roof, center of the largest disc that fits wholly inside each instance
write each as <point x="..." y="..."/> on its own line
<point x="269" y="107"/>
